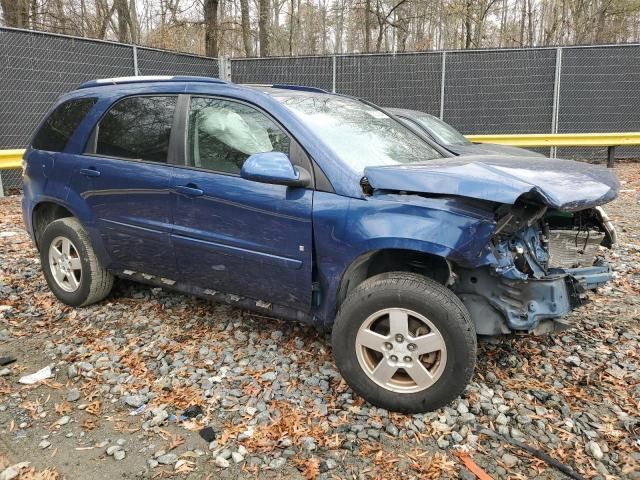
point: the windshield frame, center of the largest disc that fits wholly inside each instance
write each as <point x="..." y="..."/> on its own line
<point x="427" y="121"/>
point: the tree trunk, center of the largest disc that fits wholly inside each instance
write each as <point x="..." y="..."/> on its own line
<point x="246" y="28"/>
<point x="263" y="26"/>
<point x="211" y="28"/>
<point x="134" y="28"/>
<point x="367" y="25"/>
<point x="16" y="13"/>
<point x="292" y="23"/>
<point x="122" y="9"/>
<point x="522" y="19"/>
<point x="467" y="23"/>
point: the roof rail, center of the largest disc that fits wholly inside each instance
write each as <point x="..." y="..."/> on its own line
<point x="299" y="87"/>
<point x="149" y="78"/>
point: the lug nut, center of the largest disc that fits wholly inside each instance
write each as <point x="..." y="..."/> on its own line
<point x="388" y="346"/>
<point x="411" y="347"/>
<point x="399" y="338"/>
<point x="394" y="358"/>
<point x="407" y="359"/>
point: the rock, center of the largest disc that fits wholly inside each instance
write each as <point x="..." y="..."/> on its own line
<point x="135" y="401"/>
<point x="4" y="372"/>
<point x="509" y="460"/>
<point x="167" y="459"/>
<point x="73" y="395"/>
<point x="72" y="372"/>
<point x="192" y="411"/>
<point x="502" y="419"/>
<point x="573" y="360"/>
<point x="443" y="444"/>
<point x="44" y="444"/>
<point x="237" y="457"/>
<point x="594" y="450"/>
<point x="160" y="415"/>
<point x="391" y="429"/>
<point x="119" y="455"/>
<point x="308" y="443"/>
<point x="328" y="464"/>
<point x="63" y="420"/>
<point x="207" y="434"/>
<point x="10" y="473"/>
<point x="113" y="449"/>
<point x="465" y="474"/>
<point x="221" y="462"/>
<point x="277" y="463"/>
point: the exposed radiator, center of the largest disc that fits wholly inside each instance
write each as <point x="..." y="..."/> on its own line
<point x="573" y="248"/>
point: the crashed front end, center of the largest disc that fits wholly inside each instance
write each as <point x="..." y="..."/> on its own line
<point x="544" y="262"/>
<point x="549" y="232"/>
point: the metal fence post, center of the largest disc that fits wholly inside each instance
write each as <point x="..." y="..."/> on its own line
<point x="136" y="71"/>
<point x="1" y="187"/>
<point x="333" y="74"/>
<point x="442" y="80"/>
<point x="556" y="98"/>
<point x="224" y="68"/>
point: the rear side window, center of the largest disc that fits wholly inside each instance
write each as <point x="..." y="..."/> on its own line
<point x="60" y="125"/>
<point x="137" y="128"/>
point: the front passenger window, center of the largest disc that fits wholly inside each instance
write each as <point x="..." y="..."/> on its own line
<point x="223" y="134"/>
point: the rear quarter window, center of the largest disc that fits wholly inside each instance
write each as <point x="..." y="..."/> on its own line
<point x="56" y="130"/>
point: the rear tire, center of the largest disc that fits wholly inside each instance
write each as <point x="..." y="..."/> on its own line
<point x="404" y="342"/>
<point x="70" y="266"/>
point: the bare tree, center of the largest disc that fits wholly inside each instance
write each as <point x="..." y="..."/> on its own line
<point x="16" y="13"/>
<point x="263" y="27"/>
<point x="246" y="28"/>
<point x="211" y="27"/>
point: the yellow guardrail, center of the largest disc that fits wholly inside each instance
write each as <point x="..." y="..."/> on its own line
<point x="11" y="159"/>
<point x="609" y="140"/>
<point x="561" y="139"/>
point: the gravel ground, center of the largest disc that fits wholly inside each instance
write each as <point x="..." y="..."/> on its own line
<point x="125" y="370"/>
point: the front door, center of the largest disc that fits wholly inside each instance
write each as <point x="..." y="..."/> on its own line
<point x="234" y="235"/>
<point x="125" y="179"/>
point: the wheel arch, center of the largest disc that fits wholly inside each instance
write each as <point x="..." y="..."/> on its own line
<point x="384" y="260"/>
<point x="48" y="210"/>
<point x="44" y="213"/>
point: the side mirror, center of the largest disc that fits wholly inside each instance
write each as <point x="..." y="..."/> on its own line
<point x="274" y="168"/>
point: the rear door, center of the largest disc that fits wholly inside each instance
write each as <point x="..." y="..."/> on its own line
<point x="125" y="178"/>
<point x="234" y="235"/>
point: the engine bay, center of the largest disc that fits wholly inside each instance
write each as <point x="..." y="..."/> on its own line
<point x="532" y="241"/>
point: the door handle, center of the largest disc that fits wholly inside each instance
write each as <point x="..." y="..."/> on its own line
<point x="190" y="190"/>
<point x="90" y="172"/>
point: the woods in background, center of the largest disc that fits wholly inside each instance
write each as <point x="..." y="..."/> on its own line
<point x="237" y="28"/>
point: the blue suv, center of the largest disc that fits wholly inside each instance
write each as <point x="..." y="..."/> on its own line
<point x="316" y="207"/>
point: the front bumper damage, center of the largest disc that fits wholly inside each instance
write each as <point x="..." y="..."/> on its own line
<point x="499" y="304"/>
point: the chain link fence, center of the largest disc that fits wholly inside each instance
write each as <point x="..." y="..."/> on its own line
<point x="527" y="90"/>
<point x="534" y="90"/>
<point x="36" y="68"/>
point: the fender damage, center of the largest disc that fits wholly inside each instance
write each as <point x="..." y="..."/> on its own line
<point x="546" y="248"/>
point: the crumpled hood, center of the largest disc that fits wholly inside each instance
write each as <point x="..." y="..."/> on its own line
<point x="562" y="184"/>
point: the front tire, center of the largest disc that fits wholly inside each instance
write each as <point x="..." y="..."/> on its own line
<point x="404" y="342"/>
<point x="70" y="266"/>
